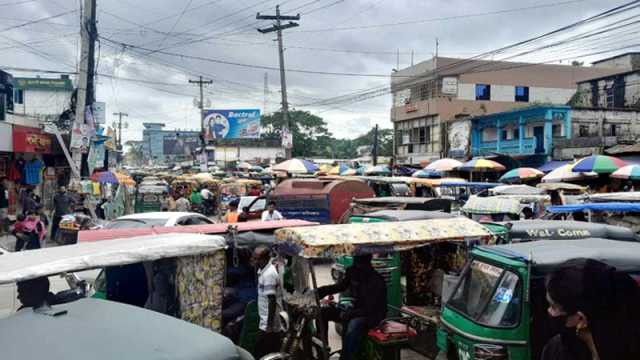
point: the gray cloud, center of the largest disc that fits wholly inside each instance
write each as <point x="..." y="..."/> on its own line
<point x="243" y="87"/>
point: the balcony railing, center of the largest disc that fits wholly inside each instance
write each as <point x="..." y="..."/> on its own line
<point x="506" y="147"/>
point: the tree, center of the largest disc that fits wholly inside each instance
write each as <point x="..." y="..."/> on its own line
<point x="310" y="133"/>
<point x="135" y="154"/>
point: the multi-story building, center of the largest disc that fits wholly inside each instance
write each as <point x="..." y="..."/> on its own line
<point x="41" y="98"/>
<point x="429" y="96"/>
<point x="620" y="90"/>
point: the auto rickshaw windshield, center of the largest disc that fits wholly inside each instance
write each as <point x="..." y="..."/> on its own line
<point x="488" y="295"/>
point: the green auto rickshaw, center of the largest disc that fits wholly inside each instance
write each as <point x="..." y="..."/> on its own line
<point x="148" y="197"/>
<point x="421" y="236"/>
<point x="498" y="309"/>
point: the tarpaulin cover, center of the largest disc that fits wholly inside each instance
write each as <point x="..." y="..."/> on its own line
<point x="353" y="239"/>
<point x="611" y="207"/>
<point x="110" y="234"/>
<point x="491" y="205"/>
<point x="630" y="196"/>
<point x="516" y="190"/>
<point x="31" y="264"/>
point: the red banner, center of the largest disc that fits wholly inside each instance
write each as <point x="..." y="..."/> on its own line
<point x="31" y="140"/>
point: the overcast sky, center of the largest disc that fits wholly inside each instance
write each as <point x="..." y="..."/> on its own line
<point x="320" y="44"/>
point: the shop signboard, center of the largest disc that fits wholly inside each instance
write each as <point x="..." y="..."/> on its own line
<point x="180" y="144"/>
<point x="31" y="140"/>
<point x="232" y="124"/>
<point x="99" y="112"/>
<point x="43" y="84"/>
<point x="449" y="85"/>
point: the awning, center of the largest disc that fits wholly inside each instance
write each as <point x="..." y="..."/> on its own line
<point x="330" y="241"/>
<point x="608" y="207"/>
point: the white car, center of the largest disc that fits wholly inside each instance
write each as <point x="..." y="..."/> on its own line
<point x="161" y="219"/>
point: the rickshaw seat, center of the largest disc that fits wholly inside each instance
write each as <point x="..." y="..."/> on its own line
<point x="250" y="324"/>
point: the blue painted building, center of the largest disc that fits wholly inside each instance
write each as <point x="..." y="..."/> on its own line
<point x="523" y="132"/>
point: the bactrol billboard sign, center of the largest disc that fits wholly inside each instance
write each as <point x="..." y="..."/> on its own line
<point x="232" y="124"/>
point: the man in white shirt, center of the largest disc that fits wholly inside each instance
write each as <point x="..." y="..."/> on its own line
<point x="271" y="214"/>
<point x="208" y="201"/>
<point x="269" y="301"/>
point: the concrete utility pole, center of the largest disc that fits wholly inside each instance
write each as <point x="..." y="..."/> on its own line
<point x="119" y="140"/>
<point x="202" y="83"/>
<point x="266" y="93"/>
<point x="374" y="152"/>
<point x="85" y="95"/>
<point x="278" y="27"/>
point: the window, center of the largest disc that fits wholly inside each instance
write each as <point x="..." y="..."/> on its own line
<point x="423" y="135"/>
<point x="488" y="295"/>
<point x="516" y="134"/>
<point x="610" y="97"/>
<point x="556" y="130"/>
<point x="583" y="131"/>
<point x="18" y="96"/>
<point x="522" y="93"/>
<point x="483" y="92"/>
<point x="613" y="130"/>
<point x="503" y="134"/>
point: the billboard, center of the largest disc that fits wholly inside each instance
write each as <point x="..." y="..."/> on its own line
<point x="180" y="144"/>
<point x="232" y="124"/>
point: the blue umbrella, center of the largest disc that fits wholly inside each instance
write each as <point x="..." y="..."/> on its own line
<point x="427" y="174"/>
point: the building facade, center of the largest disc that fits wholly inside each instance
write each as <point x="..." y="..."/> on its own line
<point x="42" y="98"/>
<point x="431" y="97"/>
<point x="528" y="132"/>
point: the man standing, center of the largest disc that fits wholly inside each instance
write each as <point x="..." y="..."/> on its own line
<point x="182" y="204"/>
<point x="271" y="214"/>
<point x="62" y="203"/>
<point x="269" y="300"/>
<point x="196" y="200"/>
<point x="369" y="293"/>
<point x="207" y="200"/>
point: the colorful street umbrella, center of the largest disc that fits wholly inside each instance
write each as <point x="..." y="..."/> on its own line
<point x="325" y="168"/>
<point x="565" y="173"/>
<point x="424" y="173"/>
<point x="629" y="172"/>
<point x="444" y="165"/>
<point x="338" y="169"/>
<point x="600" y="164"/>
<point x="104" y="177"/>
<point x="297" y="166"/>
<point x="349" y="172"/>
<point x="378" y="170"/>
<point x="361" y="170"/>
<point x="481" y="165"/>
<point x="521" y="174"/>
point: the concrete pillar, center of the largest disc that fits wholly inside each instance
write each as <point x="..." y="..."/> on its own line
<point x="499" y="135"/>
<point x="520" y="135"/>
<point x="548" y="132"/>
<point x="568" y="125"/>
<point x="476" y="133"/>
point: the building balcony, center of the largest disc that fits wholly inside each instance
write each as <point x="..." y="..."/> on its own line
<point x="506" y="147"/>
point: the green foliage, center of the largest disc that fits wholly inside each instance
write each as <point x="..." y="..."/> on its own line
<point x="312" y="138"/>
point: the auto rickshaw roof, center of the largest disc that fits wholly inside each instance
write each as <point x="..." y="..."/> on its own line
<point x="394" y="200"/>
<point x="407" y="215"/>
<point x="362" y="238"/>
<point x="383" y="179"/>
<point x="545" y="255"/>
<point x="492" y="205"/>
<point x="618" y="207"/>
<point x="221" y="228"/>
<point x="533" y="230"/>
<point x="561" y="186"/>
<point x="517" y="190"/>
<point x="473" y="185"/>
<point x="100" y="330"/>
<point x="151" y="189"/>
<point x="631" y="196"/>
<point x="25" y="265"/>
